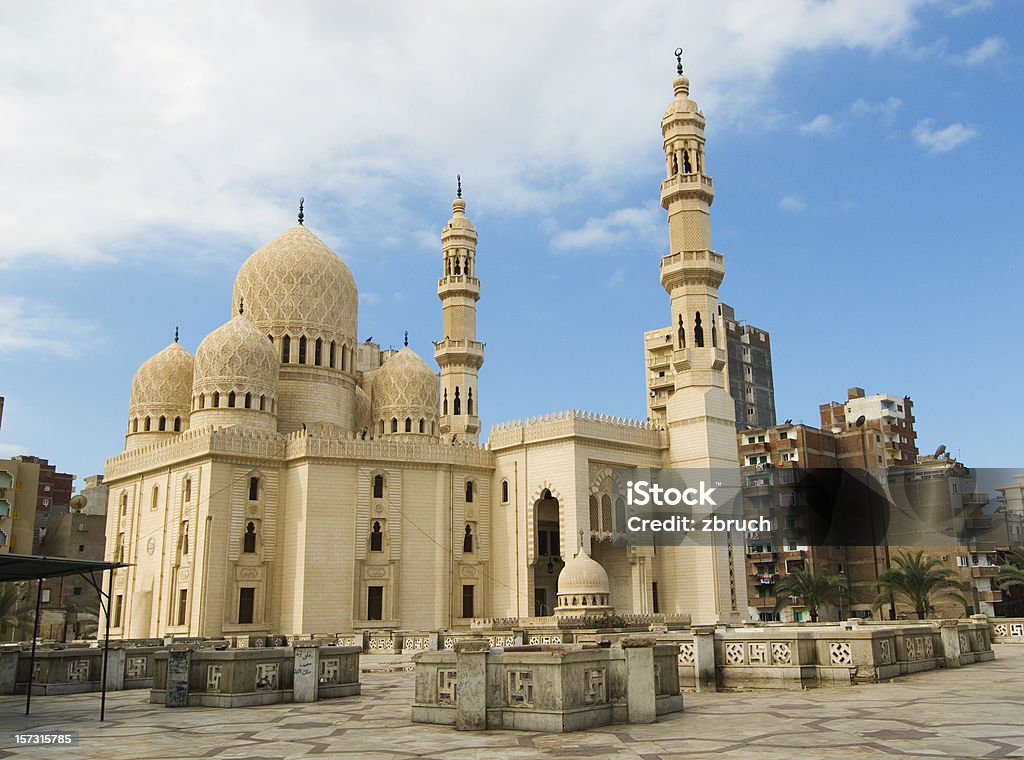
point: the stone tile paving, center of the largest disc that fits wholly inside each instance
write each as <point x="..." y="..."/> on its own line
<point x="973" y="712"/>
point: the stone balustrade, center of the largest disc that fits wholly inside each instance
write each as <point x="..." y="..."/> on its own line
<point x="553" y="688"/>
<point x="75" y="669"/>
<point x="303" y="672"/>
<point x="1007" y="630"/>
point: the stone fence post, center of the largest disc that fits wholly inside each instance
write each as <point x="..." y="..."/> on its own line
<point x="641" y="697"/>
<point x="704" y="657"/>
<point x="179" y="663"/>
<point x="950" y="635"/>
<point x="305" y="676"/>
<point x="117" y="656"/>
<point x="471" y="684"/>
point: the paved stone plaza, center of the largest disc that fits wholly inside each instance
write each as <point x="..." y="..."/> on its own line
<point x="967" y="713"/>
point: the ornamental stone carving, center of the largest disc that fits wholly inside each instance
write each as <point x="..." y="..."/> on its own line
<point x="163" y="386"/>
<point x="235" y="357"/>
<point x="296" y="285"/>
<point x="405" y="387"/>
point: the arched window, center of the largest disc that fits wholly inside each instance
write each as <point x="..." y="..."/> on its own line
<point x="422" y="425"/>
<point x="254" y="488"/>
<point x="687" y="168"/>
<point x="444" y="405"/>
<point x="344" y="358"/>
<point x="286" y="349"/>
<point x="714" y="335"/>
<point x="408" y="424"/>
<point x="469" y="401"/>
<point x="394" y="424"/>
<point x="248" y="401"/>
<point x="469" y="491"/>
<point x="318" y="352"/>
<point x="332" y="354"/>
<point x="263" y="403"/>
<point x="124" y="504"/>
<point x="382" y="427"/>
<point x="698" y="332"/>
<point x="145" y="425"/>
<point x="682" y="333"/>
<point x="249" y="542"/>
<point x="202" y="400"/>
<point x="302" y="350"/>
<point x="162" y="424"/>
<point x="177" y="424"/>
<point x="467" y="540"/>
<point x="187" y="488"/>
<point x="231" y="399"/>
<point x="594" y="516"/>
<point x="433" y="428"/>
<point x="154" y="501"/>
<point x="184" y="537"/>
<point x="457" y="406"/>
<point x="606" y="513"/>
<point x="135" y="425"/>
<point x="216" y="399"/>
<point x="504" y="492"/>
<point x="378" y="486"/>
<point x="376" y="538"/>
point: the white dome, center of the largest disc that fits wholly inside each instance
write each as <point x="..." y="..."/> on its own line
<point x="405" y="387"/>
<point x="236" y="357"/>
<point x="296" y="285"/>
<point x="582" y="575"/>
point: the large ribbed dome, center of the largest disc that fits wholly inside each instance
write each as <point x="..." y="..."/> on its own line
<point x="296" y="285"/>
<point x="406" y="387"/>
<point x="236" y="357"/>
<point x="582" y="575"/>
<point x="163" y="383"/>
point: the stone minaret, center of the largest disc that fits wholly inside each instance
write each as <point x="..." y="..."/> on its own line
<point x="700" y="413"/>
<point x="459" y="354"/>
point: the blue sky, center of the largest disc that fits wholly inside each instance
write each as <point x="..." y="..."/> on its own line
<point x="867" y="162"/>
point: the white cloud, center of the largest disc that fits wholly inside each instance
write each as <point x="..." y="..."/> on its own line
<point x="27" y="326"/>
<point x="989" y="48"/>
<point x="822" y="124"/>
<point x="792" y="203"/>
<point x="367" y="298"/>
<point x="210" y="120"/>
<point x="962" y="8"/>
<point x="620" y="228"/>
<point x="884" y="110"/>
<point x="942" y="140"/>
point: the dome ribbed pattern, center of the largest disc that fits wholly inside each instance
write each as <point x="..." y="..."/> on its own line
<point x="406" y="387"/>
<point x="238" y="357"/>
<point x="163" y="385"/>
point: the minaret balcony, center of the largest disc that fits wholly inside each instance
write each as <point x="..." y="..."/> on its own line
<point x="687" y="185"/>
<point x="692" y="268"/>
<point x="458" y="284"/>
<point x="459" y="351"/>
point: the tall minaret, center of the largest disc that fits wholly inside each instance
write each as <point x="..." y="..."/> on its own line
<point x="707" y="581"/>
<point x="459" y="355"/>
<point x="691" y="274"/>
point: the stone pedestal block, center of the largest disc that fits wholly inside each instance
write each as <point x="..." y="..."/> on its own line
<point x="949" y="631"/>
<point x="179" y="659"/>
<point x="641" y="696"/>
<point x="704" y="657"/>
<point x="306" y="673"/>
<point x="471" y="684"/>
<point x="8" y="669"/>
<point x="116" y="657"/>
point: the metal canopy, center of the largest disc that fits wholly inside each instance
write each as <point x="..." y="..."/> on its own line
<point x="28" y="567"/>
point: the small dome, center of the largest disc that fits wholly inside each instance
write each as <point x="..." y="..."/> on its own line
<point x="582" y="575"/>
<point x="406" y="387"/>
<point x="236" y="357"/>
<point x="681" y="104"/>
<point x="296" y="285"/>
<point x="163" y="385"/>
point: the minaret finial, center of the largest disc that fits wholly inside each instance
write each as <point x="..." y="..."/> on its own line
<point x="241" y="304"/>
<point x="581" y="540"/>
<point x="406" y="338"/>
<point x="679" y="61"/>
<point x="458" y="179"/>
<point x="301" y="202"/>
<point x="175" y="333"/>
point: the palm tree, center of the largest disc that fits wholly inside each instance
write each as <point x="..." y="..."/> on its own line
<point x="1012" y="573"/>
<point x="12" y="613"/>
<point x="918" y="581"/>
<point x="817" y="587"/>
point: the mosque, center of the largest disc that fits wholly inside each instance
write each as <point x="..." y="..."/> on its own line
<point x="289" y="479"/>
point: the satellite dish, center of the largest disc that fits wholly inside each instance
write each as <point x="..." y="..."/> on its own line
<point x="940" y="451"/>
<point x="860" y="421"/>
<point x="78" y="502"/>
